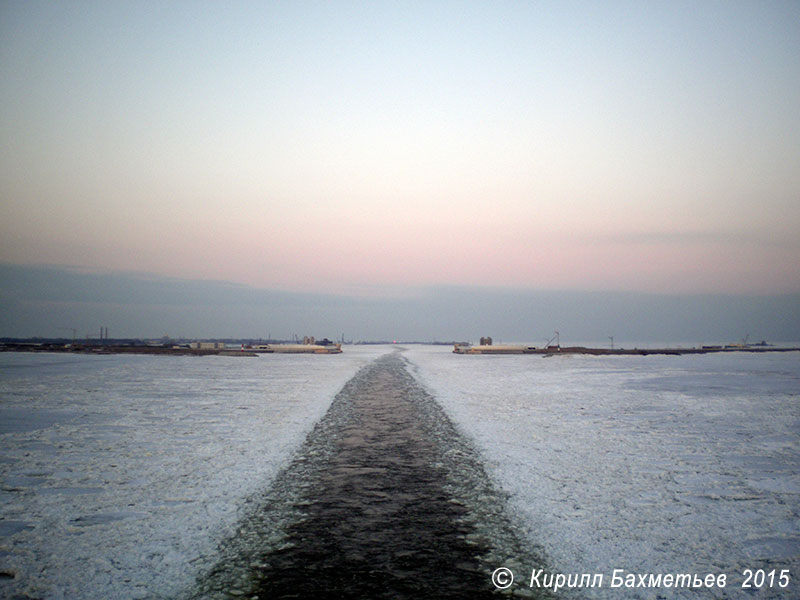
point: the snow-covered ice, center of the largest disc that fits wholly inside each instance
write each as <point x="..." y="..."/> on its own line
<point x="651" y="464"/>
<point x="119" y="474"/>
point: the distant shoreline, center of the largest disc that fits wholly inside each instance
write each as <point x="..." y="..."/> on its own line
<point x="555" y="351"/>
<point x="485" y="350"/>
<point x="113" y="349"/>
<point x="192" y="349"/>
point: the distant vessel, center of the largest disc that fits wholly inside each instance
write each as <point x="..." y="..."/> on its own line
<point x="493" y="349"/>
<point x="296" y="349"/>
<point x="309" y="346"/>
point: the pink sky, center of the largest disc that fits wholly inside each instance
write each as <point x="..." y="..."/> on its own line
<point x="539" y="146"/>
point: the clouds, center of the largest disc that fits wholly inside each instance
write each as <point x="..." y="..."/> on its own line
<point x="42" y="301"/>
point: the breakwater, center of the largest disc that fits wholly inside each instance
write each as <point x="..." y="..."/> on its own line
<point x="556" y="350"/>
<point x="171" y="351"/>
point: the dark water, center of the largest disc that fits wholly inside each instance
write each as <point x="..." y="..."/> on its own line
<point x="384" y="500"/>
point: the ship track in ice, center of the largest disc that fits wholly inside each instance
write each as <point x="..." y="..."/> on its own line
<point x="385" y="499"/>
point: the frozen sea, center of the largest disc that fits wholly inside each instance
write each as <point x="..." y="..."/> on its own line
<point x="119" y="475"/>
<point x="650" y="464"/>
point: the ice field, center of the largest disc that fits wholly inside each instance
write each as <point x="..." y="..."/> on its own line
<point x="120" y="474"/>
<point x="651" y="464"/>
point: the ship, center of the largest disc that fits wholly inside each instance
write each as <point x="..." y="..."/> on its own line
<point x="309" y="346"/>
<point x="493" y="349"/>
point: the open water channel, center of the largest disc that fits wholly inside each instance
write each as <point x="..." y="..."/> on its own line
<point x="385" y="499"/>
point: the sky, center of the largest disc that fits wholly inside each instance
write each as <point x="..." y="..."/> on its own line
<point x="384" y="151"/>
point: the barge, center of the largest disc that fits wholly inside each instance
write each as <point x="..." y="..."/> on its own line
<point x="296" y="349"/>
<point x="493" y="349"/>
